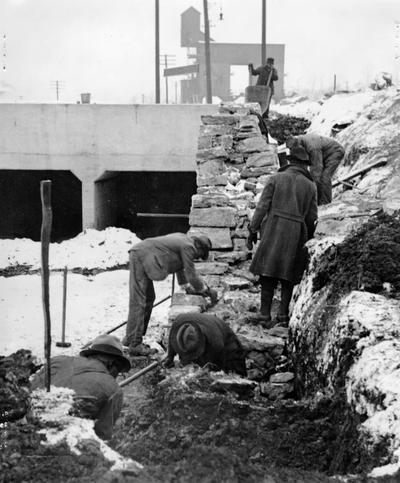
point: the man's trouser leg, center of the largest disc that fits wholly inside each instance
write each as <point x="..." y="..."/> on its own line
<point x="286" y="297"/>
<point x="268" y="285"/>
<point x="141" y="299"/>
<point x="325" y="183"/>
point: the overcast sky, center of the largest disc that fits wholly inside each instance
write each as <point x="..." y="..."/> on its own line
<point x="106" y="47"/>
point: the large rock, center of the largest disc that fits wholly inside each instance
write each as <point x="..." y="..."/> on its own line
<point x="206" y="201"/>
<point x="252" y="145"/>
<point x="226" y="119"/>
<point x="181" y="298"/>
<point x="258" y="160"/>
<point x="216" y="217"/>
<point x="210" y="168"/>
<point x="256" y="339"/>
<point x="182" y="309"/>
<point x="220" y="237"/>
<point x="212" y="268"/>
<point x="216" y="130"/>
<point x="211" y="153"/>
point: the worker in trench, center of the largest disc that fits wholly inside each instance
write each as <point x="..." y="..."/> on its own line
<point x="325" y="156"/>
<point x="153" y="259"/>
<point x="205" y="340"/>
<point x="285" y="216"/>
<point x="92" y="376"/>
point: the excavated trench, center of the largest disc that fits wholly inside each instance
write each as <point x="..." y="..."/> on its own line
<point x="182" y="427"/>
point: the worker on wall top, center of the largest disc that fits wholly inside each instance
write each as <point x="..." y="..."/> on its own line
<point x="267" y="75"/>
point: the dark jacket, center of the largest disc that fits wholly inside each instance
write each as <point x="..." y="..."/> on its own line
<point x="285" y="216"/>
<point x="98" y="396"/>
<point x="173" y="253"/>
<point x="264" y="72"/>
<point x="321" y="150"/>
<point x="222" y="346"/>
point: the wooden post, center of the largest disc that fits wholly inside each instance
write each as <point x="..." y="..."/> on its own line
<point x="264" y="32"/>
<point x="47" y="217"/>
<point x="157" y="50"/>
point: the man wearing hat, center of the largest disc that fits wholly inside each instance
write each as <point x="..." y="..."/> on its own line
<point x="92" y="376"/>
<point x="267" y="74"/>
<point x="204" y="338"/>
<point x="154" y="259"/>
<point x="285" y="216"/>
<point x="325" y="155"/>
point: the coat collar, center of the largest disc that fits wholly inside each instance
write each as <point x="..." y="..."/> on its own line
<point x="297" y="168"/>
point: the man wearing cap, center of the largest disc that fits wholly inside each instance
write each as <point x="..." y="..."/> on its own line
<point x="205" y="339"/>
<point x="267" y="74"/>
<point x="325" y="155"/>
<point x="154" y="259"/>
<point x="285" y="216"/>
<point x="92" y="376"/>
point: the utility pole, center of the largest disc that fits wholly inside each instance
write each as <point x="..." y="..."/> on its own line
<point x="167" y="60"/>
<point x="57" y="85"/>
<point x="157" y="59"/>
<point x="207" y="52"/>
<point x="264" y="32"/>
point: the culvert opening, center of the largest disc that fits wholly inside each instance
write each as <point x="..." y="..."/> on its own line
<point x="147" y="203"/>
<point x="20" y="204"/>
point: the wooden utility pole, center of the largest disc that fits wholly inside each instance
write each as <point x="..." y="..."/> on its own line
<point x="157" y="8"/>
<point x="47" y="217"/>
<point x="264" y="32"/>
<point x="207" y="52"/>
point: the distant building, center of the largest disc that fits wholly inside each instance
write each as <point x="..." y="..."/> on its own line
<point x="223" y="56"/>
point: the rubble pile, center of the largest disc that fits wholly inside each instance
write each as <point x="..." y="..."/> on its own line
<point x="282" y="126"/>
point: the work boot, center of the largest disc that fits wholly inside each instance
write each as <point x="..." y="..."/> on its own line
<point x="264" y="321"/>
<point x="141" y="350"/>
<point x="282" y="320"/>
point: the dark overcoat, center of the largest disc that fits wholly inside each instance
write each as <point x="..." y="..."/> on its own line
<point x="285" y="216"/>
<point x="222" y="347"/>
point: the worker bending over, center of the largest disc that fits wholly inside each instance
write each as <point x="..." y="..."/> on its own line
<point x="154" y="259"/>
<point x="92" y="376"/>
<point x="205" y="339"/>
<point x="325" y="155"/>
<point x="285" y="216"/>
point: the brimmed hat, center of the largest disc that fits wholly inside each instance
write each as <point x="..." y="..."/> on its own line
<point x="109" y="345"/>
<point x="190" y="341"/>
<point x="205" y="243"/>
<point x="298" y="153"/>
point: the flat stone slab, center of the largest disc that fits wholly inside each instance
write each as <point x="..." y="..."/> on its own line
<point x="233" y="384"/>
<point x="220" y="237"/>
<point x="276" y="391"/>
<point x="258" y="340"/>
<point x="211" y="268"/>
<point x="281" y="377"/>
<point x="180" y="298"/>
<point x="227" y="119"/>
<point x="215" y="217"/>
<point x="233" y="283"/>
<point x="252" y="145"/>
<point x="182" y="309"/>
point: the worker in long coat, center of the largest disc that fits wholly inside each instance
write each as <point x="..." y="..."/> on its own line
<point x="151" y="260"/>
<point x="325" y="156"/>
<point x="92" y="376"/>
<point x="267" y="75"/>
<point x="205" y="339"/>
<point x="285" y="216"/>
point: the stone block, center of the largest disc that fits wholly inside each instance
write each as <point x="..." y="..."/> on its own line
<point x="216" y="130"/>
<point x="258" y="160"/>
<point x="260" y="341"/>
<point x="279" y="331"/>
<point x="225" y="141"/>
<point x="210" y="168"/>
<point x="236" y="159"/>
<point x="181" y="298"/>
<point x="215" y="217"/>
<point x="211" y="268"/>
<point x="219" y="180"/>
<point x="239" y="244"/>
<point x="182" y="309"/>
<point x="226" y="119"/>
<point x="233" y="384"/>
<point x="252" y="145"/>
<point x="232" y="257"/>
<point x="249" y="121"/>
<point x="281" y="377"/>
<point x="234" y="283"/>
<point x="276" y="391"/>
<point x="256" y="172"/>
<point x="220" y="237"/>
<point x="206" y="201"/>
<point x="205" y="142"/>
<point x="212" y="153"/>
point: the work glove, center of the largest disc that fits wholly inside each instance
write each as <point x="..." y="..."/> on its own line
<point x="251" y="240"/>
<point x="213" y="294"/>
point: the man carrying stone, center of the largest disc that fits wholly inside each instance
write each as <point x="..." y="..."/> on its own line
<point x="267" y="74"/>
<point x="154" y="259"/>
<point x="92" y="376"/>
<point x="285" y="216"/>
<point x="325" y="156"/>
<point x="205" y="339"/>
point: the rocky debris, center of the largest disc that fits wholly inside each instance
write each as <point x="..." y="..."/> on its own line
<point x="281" y="126"/>
<point x="238" y="385"/>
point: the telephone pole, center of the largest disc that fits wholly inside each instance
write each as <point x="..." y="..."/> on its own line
<point x="264" y="32"/>
<point x="207" y="52"/>
<point x="57" y="85"/>
<point x="157" y="50"/>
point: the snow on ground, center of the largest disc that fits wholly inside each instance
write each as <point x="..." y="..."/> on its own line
<point x="299" y="107"/>
<point x="341" y="109"/>
<point x="95" y="304"/>
<point x="90" y="249"/>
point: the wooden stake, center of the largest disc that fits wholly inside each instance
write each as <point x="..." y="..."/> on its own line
<point x="47" y="217"/>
